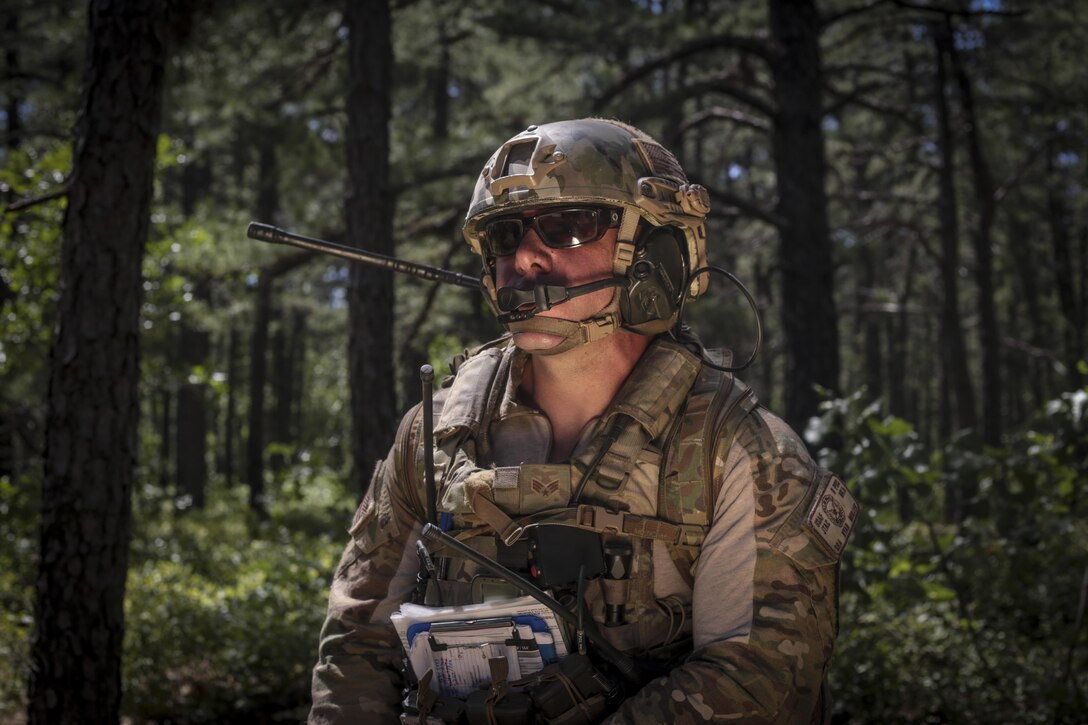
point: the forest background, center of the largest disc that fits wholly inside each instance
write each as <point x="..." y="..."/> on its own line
<point x="900" y="182"/>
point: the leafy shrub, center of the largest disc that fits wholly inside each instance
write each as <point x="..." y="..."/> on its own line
<point x="223" y="613"/>
<point x="971" y="615"/>
<point x="18" y="521"/>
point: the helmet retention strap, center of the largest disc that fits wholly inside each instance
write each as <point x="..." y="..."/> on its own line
<point x="574" y="333"/>
<point x="625" y="242"/>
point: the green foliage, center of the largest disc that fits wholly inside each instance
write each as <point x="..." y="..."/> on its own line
<point x="222" y="613"/>
<point x="976" y="620"/>
<point x="29" y="265"/>
<point x="18" y="521"/>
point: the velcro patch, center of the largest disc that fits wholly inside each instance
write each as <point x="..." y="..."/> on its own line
<point x="832" y="515"/>
<point x="507" y="477"/>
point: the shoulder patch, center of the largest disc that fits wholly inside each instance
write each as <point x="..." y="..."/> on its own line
<point x="832" y="515"/>
<point x="377" y="523"/>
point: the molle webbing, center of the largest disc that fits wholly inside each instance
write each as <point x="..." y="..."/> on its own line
<point x="584" y="516"/>
<point x="602" y="520"/>
<point x="689" y="488"/>
<point x="650" y="403"/>
<point x="474" y="395"/>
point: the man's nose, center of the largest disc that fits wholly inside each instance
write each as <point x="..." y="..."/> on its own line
<point x="532" y="256"/>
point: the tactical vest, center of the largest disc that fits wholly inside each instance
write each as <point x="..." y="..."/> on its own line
<point x="651" y="478"/>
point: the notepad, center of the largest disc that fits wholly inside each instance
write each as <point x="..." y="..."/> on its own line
<point x="457" y="642"/>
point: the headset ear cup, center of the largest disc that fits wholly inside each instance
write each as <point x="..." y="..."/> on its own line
<point x="650" y="297"/>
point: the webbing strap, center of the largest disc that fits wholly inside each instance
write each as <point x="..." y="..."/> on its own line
<point x="650" y="399"/>
<point x="601" y="520"/>
<point x="489" y="512"/>
<point x="621" y="455"/>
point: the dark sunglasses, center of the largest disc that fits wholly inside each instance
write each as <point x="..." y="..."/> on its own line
<point x="557" y="228"/>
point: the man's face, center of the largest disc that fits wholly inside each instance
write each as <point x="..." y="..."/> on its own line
<point x="536" y="263"/>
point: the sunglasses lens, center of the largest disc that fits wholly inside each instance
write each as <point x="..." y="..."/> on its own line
<point x="502" y="237"/>
<point x="569" y="228"/>
<point x="561" y="229"/>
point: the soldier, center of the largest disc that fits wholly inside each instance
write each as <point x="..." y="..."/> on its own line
<point x="600" y="413"/>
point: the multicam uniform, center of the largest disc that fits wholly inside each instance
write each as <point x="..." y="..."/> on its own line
<point x="736" y="536"/>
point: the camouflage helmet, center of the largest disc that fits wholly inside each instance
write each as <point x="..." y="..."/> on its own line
<point x="593" y="161"/>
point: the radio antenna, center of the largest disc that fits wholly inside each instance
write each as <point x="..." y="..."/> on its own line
<point x="275" y="235"/>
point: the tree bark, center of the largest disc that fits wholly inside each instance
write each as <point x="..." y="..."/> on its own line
<point x="953" y="349"/>
<point x="284" y="390"/>
<point x="808" y="305"/>
<point x="370" y="226"/>
<point x="898" y="336"/>
<point x="1037" y="375"/>
<point x="166" y="421"/>
<point x="234" y="384"/>
<point x="93" y="400"/>
<point x="990" y="339"/>
<point x="298" y="376"/>
<point x="869" y="324"/>
<point x="192" y="415"/>
<point x="258" y="373"/>
<point x="14" y="99"/>
<point x="1060" y="221"/>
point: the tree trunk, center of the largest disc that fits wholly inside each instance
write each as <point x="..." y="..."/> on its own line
<point x="93" y="399"/>
<point x="234" y="384"/>
<point x="992" y="392"/>
<point x="1037" y="375"/>
<point x="953" y="350"/>
<point x="166" y="421"/>
<point x="808" y="304"/>
<point x="440" y="87"/>
<point x="370" y="226"/>
<point x="1060" y="221"/>
<point x="765" y="301"/>
<point x="14" y="96"/>
<point x="284" y="391"/>
<point x="298" y="375"/>
<point x="192" y="416"/>
<point x="898" y="336"/>
<point x="869" y="324"/>
<point x="258" y="372"/>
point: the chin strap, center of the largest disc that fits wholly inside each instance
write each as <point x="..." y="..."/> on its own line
<point x="574" y="333"/>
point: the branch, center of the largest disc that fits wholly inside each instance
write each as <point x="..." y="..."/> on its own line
<point x="965" y="617"/>
<point x="1029" y="349"/>
<point x="428" y="303"/>
<point x="1067" y="674"/>
<point x="430" y="225"/>
<point x="854" y="98"/>
<point x="961" y="12"/>
<point x="753" y="45"/>
<point x="843" y="99"/>
<point x="898" y="75"/>
<point x="34" y="201"/>
<point x="830" y="20"/>
<point x="282" y="265"/>
<point x="454" y="169"/>
<point x="863" y="195"/>
<point x="1033" y="155"/>
<point x="750" y="208"/>
<point x="726" y="114"/>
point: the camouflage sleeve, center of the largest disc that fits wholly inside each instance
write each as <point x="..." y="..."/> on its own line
<point x="357" y="676"/>
<point x="771" y="667"/>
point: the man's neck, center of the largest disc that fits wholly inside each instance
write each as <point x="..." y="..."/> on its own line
<point x="574" y="387"/>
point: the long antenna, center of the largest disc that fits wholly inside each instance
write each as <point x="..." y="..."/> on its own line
<point x="426" y="377"/>
<point x="275" y="235"/>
